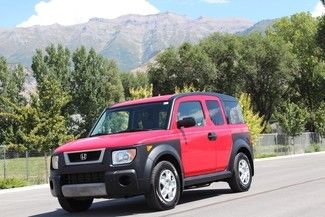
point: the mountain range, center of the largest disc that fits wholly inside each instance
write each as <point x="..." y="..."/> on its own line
<point x="131" y="40"/>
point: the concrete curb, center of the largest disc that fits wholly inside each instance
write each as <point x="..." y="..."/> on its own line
<point x="27" y="188"/>
<point x="289" y="156"/>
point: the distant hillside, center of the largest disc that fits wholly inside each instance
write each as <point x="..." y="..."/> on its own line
<point x="261" y="26"/>
<point x="131" y="40"/>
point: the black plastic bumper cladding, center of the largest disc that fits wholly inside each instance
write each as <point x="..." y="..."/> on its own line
<point x="241" y="143"/>
<point x="120" y="181"/>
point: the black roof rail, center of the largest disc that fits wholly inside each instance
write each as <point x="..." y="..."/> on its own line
<point x="221" y="96"/>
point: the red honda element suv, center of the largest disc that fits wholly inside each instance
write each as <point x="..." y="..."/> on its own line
<point x="156" y="147"/>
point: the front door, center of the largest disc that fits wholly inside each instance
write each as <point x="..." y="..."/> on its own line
<point x="198" y="150"/>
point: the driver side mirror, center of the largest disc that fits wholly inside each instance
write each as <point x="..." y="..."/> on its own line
<point x="186" y="122"/>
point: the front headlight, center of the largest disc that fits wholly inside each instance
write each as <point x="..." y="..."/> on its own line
<point x="123" y="156"/>
<point x="55" y="162"/>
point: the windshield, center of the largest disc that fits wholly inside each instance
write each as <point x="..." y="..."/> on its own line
<point x="141" y="117"/>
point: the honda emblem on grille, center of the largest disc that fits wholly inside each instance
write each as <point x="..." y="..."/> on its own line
<point x="83" y="156"/>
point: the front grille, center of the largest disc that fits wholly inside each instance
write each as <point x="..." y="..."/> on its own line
<point x="82" y="178"/>
<point x="84" y="156"/>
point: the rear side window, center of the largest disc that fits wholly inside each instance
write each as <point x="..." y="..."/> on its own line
<point x="215" y="112"/>
<point x="191" y="109"/>
<point x="233" y="112"/>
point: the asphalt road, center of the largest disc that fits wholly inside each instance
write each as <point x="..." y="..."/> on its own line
<point x="287" y="187"/>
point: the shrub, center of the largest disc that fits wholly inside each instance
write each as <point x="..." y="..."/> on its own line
<point x="315" y="147"/>
<point x="12" y="183"/>
<point x="253" y="120"/>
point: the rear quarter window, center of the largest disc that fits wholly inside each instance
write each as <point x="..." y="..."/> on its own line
<point x="233" y="112"/>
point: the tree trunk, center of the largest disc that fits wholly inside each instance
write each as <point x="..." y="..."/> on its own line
<point x="292" y="141"/>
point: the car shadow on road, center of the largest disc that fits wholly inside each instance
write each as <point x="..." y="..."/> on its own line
<point x="135" y="205"/>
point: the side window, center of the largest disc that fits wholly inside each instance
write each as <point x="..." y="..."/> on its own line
<point x="191" y="109"/>
<point x="215" y="112"/>
<point x="233" y="112"/>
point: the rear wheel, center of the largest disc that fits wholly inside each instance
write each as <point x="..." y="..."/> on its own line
<point x="165" y="187"/>
<point x="242" y="174"/>
<point x="74" y="204"/>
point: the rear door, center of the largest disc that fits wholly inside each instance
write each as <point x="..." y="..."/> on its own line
<point x="218" y="125"/>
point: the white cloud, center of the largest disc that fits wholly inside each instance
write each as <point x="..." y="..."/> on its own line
<point x="319" y="10"/>
<point x="69" y="12"/>
<point x="216" y="1"/>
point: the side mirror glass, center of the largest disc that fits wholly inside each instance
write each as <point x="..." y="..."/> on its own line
<point x="186" y="122"/>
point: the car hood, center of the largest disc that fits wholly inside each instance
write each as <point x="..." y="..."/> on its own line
<point x="116" y="140"/>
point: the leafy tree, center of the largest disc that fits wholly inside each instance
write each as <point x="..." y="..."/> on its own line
<point x="224" y="51"/>
<point x="50" y="127"/>
<point x="11" y="86"/>
<point x="320" y="35"/>
<point x="292" y="119"/>
<point x="39" y="125"/>
<point x="133" y="81"/>
<point x="188" y="64"/>
<point x="18" y="122"/>
<point x="56" y="59"/>
<point x="141" y="92"/>
<point x="253" y="120"/>
<point x="300" y="33"/>
<point x="95" y="84"/>
<point x="320" y="120"/>
<point x="185" y="89"/>
<point x="266" y="69"/>
<point x="11" y="81"/>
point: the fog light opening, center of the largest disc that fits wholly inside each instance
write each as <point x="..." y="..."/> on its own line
<point x="51" y="185"/>
<point x="124" y="180"/>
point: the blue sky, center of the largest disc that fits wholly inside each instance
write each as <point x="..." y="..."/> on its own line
<point x="20" y="12"/>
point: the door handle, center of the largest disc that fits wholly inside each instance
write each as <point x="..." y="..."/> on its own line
<point x="212" y="136"/>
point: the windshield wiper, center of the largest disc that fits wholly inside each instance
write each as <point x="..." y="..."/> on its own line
<point x="132" y="130"/>
<point x="136" y="130"/>
<point x="124" y="131"/>
<point x="99" y="134"/>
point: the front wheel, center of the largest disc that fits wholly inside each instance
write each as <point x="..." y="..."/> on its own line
<point x="242" y="174"/>
<point x="165" y="187"/>
<point x="74" y="204"/>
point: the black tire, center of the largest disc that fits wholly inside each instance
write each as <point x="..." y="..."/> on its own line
<point x="75" y="205"/>
<point x="235" y="183"/>
<point x="154" y="198"/>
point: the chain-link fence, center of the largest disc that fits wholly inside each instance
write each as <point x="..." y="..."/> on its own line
<point x="280" y="144"/>
<point x="28" y="165"/>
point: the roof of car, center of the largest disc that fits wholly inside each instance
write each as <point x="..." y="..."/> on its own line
<point x="145" y="100"/>
<point x="223" y="97"/>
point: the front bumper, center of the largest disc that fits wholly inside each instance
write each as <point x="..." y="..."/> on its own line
<point x="84" y="190"/>
<point x="100" y="180"/>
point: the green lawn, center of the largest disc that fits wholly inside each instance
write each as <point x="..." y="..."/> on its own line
<point x="16" y="168"/>
<point x="280" y="150"/>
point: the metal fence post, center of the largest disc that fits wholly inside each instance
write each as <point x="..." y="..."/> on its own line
<point x="27" y="166"/>
<point x="276" y="138"/>
<point x="4" y="163"/>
